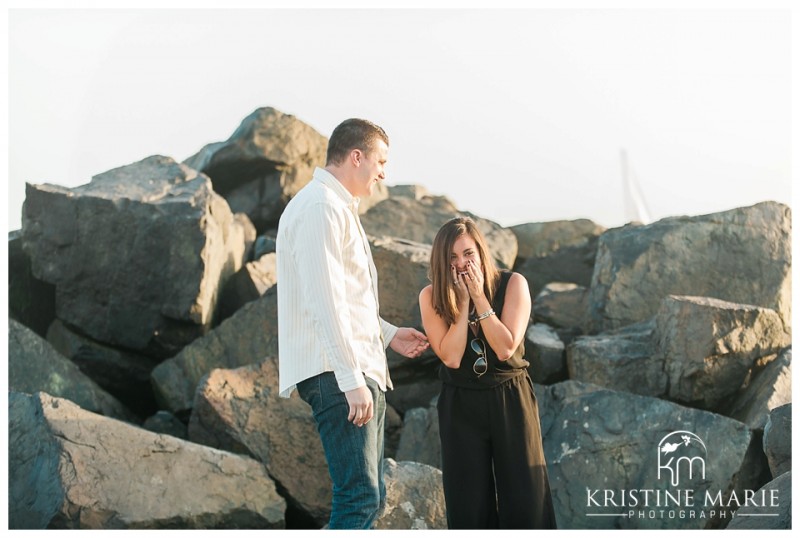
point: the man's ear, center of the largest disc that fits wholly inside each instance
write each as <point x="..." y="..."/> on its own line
<point x="356" y="156"/>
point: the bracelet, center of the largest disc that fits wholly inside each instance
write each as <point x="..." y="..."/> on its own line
<point x="474" y="321"/>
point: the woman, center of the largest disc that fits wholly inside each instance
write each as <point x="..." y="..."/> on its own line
<point x="493" y="465"/>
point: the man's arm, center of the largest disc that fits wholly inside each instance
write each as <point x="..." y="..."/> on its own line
<point x="409" y="342"/>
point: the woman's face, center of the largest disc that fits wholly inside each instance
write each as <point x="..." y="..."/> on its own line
<point x="464" y="251"/>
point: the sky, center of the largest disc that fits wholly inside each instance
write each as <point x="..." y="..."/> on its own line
<point x="517" y="115"/>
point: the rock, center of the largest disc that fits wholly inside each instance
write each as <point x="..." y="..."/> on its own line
<point x="412" y="218"/>
<point x="263" y="164"/>
<point x="696" y="350"/>
<point x="558" y="251"/>
<point x="778" y="439"/>
<point x="251" y="334"/>
<point x="598" y="440"/>
<point x="402" y="273"/>
<point x="123" y="374"/>
<point x="769" y="389"/>
<point x="34" y="366"/>
<point x="561" y="305"/>
<point x="709" y="346"/>
<point x="419" y="440"/>
<point x="393" y="429"/>
<point x="742" y="256"/>
<point x="419" y="219"/>
<point x="72" y="469"/>
<point x="239" y="411"/>
<point x="248" y="284"/>
<point x="166" y="423"/>
<point x="414" y="497"/>
<point x="622" y="360"/>
<point x="770" y="517"/>
<point x="31" y="301"/>
<point x="265" y="243"/>
<point x="138" y="255"/>
<point x="544" y="350"/>
<point x="539" y="239"/>
<point x="380" y="192"/>
<point x="415" y="192"/>
<point x="415" y="382"/>
<point x="270" y="151"/>
<point x="247" y="337"/>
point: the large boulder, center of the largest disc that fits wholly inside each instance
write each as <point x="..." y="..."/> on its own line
<point x="239" y="410"/>
<point x="34" y="366"/>
<point x="125" y="375"/>
<point x="413" y="191"/>
<point x="623" y="360"/>
<point x="419" y="439"/>
<point x="138" y="255"/>
<point x="545" y="354"/>
<point x="778" y="440"/>
<point x="696" y="350"/>
<point x="72" y="469"/>
<point x="562" y="305"/>
<point x="710" y="346"/>
<point x="402" y="273"/>
<point x="557" y="251"/>
<point x="247" y="337"/>
<point x="402" y="267"/>
<point x="31" y="301"/>
<point x="776" y="515"/>
<point x="770" y="388"/>
<point x="414" y="497"/>
<point x="264" y="163"/>
<point x="393" y="429"/>
<point x="418" y="219"/>
<point x="166" y="423"/>
<point x="248" y="284"/>
<point x="415" y="382"/>
<point x="742" y="256"/>
<point x="606" y="449"/>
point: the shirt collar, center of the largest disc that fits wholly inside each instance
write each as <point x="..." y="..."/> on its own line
<point x="330" y="181"/>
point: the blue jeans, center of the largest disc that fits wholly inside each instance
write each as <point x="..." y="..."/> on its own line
<point x="354" y="455"/>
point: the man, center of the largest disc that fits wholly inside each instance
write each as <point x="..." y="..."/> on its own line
<point x="332" y="342"/>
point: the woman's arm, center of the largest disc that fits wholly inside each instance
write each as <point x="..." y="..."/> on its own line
<point x="447" y="341"/>
<point x="505" y="335"/>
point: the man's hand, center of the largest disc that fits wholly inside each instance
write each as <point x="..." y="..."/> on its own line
<point x="361" y="407"/>
<point x="409" y="342"/>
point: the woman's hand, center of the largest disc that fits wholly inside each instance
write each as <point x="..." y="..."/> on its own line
<point x="473" y="281"/>
<point x="461" y="287"/>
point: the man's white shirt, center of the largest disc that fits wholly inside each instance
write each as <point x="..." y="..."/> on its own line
<point x="328" y="316"/>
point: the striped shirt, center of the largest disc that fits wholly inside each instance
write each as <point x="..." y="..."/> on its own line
<point x="328" y="291"/>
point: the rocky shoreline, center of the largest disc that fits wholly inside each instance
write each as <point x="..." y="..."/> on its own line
<point x="143" y="354"/>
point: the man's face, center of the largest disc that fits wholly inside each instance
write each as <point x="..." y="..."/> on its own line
<point x="371" y="169"/>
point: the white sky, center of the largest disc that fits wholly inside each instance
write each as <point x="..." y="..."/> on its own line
<point x="517" y="115"/>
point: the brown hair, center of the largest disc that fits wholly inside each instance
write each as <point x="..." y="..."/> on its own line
<point x="353" y="134"/>
<point x="440" y="274"/>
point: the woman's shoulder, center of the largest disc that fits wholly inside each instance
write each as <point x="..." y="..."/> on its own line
<point x="508" y="275"/>
<point x="514" y="280"/>
<point x="426" y="292"/>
